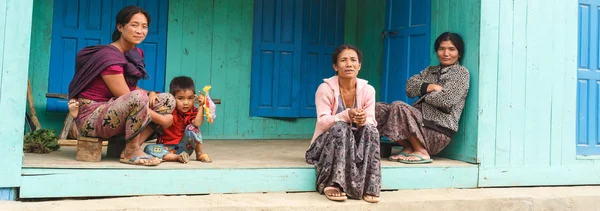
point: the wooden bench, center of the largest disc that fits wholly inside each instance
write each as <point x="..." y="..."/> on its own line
<point x="89" y="149"/>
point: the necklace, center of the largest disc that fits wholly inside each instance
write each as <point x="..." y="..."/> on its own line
<point x="344" y="100"/>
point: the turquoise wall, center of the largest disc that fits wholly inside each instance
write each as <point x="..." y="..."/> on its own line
<point x="527" y="100"/>
<point x="39" y="64"/>
<point x="365" y="20"/>
<point x="209" y="41"/>
<point x="15" y="30"/>
<point x="462" y="17"/>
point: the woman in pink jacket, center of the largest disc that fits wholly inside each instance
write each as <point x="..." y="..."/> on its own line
<point x="345" y="145"/>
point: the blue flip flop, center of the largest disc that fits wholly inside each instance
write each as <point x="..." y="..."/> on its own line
<point x="421" y="161"/>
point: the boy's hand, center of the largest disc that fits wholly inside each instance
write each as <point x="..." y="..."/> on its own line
<point x="200" y="98"/>
<point x="152" y="98"/>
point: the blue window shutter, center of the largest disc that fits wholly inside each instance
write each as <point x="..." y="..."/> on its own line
<point x="276" y="58"/>
<point x="81" y="23"/>
<point x="75" y="25"/>
<point x="323" y="30"/>
<point x="588" y="79"/>
<point x="406" y="45"/>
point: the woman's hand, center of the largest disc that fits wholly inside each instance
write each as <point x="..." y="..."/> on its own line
<point x="357" y="116"/>
<point x="152" y="98"/>
<point x="200" y="98"/>
<point x="434" y="88"/>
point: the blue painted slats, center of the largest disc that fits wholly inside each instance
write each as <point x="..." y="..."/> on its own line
<point x="406" y="45"/>
<point x="323" y="31"/>
<point x="275" y="58"/>
<point x="81" y="23"/>
<point x="588" y="74"/>
<point x="8" y="194"/>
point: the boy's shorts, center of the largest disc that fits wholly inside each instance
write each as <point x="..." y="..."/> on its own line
<point x="191" y="136"/>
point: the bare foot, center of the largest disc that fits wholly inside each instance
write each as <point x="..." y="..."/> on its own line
<point x="184" y="157"/>
<point x="370" y="198"/>
<point x="132" y="152"/>
<point x="422" y="153"/>
<point x="334" y="194"/>
<point x="402" y="155"/>
<point x="73" y="107"/>
<point x="203" y="158"/>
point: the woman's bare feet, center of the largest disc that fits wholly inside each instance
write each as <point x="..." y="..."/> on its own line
<point x="133" y="154"/>
<point x="371" y="199"/>
<point x="73" y="107"/>
<point x="423" y="153"/>
<point x="334" y="194"/>
<point x="406" y="149"/>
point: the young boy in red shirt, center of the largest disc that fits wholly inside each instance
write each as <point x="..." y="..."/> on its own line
<point x="178" y="141"/>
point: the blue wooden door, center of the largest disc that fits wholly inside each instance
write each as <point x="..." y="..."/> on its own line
<point x="588" y="75"/>
<point x="323" y="31"/>
<point x="276" y="58"/>
<point x="80" y="23"/>
<point x="406" y="45"/>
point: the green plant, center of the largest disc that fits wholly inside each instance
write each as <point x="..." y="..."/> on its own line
<point x="41" y="141"/>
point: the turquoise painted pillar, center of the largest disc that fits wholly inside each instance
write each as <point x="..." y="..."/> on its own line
<point x="8" y="194"/>
<point x="15" y="36"/>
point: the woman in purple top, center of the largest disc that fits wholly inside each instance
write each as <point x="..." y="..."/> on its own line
<point x="109" y="102"/>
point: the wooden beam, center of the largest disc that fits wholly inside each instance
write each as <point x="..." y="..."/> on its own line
<point x="32" y="112"/>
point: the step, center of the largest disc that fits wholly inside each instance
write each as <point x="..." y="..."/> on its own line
<point x="522" y="199"/>
<point x="240" y="166"/>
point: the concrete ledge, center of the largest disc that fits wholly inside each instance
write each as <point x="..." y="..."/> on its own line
<point x="544" y="198"/>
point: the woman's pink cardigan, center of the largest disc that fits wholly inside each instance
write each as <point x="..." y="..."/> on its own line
<point x="326" y="101"/>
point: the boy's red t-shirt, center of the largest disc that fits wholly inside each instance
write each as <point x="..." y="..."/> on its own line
<point x="173" y="134"/>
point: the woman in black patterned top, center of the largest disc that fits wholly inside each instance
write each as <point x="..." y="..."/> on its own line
<point x="426" y="127"/>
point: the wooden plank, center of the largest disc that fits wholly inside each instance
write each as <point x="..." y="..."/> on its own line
<point x="31" y="106"/>
<point x="233" y="58"/>
<point x="127" y="182"/>
<point x="15" y="38"/>
<point x="203" y="44"/>
<point x="244" y="123"/>
<point x="394" y="178"/>
<point x="59" y="96"/>
<point x="539" y="176"/>
<point x="557" y="91"/>
<point x="50" y="183"/>
<point x="569" y="58"/>
<point x="175" y="40"/>
<point x="72" y="142"/>
<point x="219" y="73"/>
<point x="539" y="73"/>
<point x="488" y="84"/>
<point x="350" y="20"/>
<point x="471" y="62"/>
<point x="518" y="109"/>
<point x="505" y="61"/>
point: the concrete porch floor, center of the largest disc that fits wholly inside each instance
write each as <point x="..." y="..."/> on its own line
<point x="225" y="154"/>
